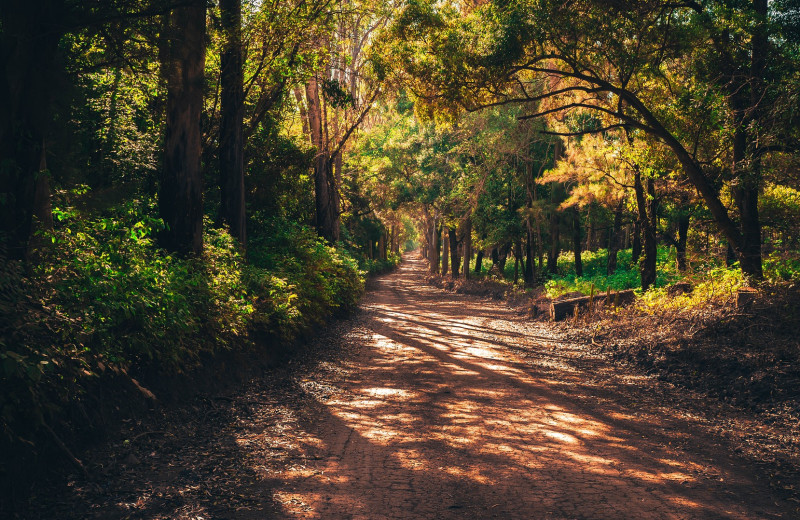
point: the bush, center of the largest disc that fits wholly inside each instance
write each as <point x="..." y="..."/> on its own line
<point x="103" y="295"/>
<point x="132" y="303"/>
<point x="626" y="276"/>
<point x="373" y="266"/>
<point x="305" y="279"/>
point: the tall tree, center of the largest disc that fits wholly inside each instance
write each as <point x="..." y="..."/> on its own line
<point x="180" y="198"/>
<point x="339" y="96"/>
<point x="231" y="142"/>
<point x="29" y="36"/>
<point x="325" y="188"/>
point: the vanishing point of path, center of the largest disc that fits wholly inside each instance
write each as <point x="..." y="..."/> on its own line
<point x="432" y="405"/>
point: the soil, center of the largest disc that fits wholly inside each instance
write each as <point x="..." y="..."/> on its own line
<point x="429" y="404"/>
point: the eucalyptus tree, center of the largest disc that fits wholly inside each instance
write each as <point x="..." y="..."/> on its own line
<point x="262" y="47"/>
<point x="338" y="95"/>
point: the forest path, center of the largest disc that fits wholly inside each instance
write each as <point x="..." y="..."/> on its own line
<point x="434" y="405"/>
<point x="454" y="407"/>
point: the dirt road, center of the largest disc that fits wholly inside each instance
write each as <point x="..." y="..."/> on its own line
<point x="432" y="405"/>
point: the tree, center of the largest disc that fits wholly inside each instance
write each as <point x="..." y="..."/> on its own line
<point x="34" y="37"/>
<point x="29" y="36"/>
<point x="181" y="190"/>
<point x="231" y="139"/>
<point x="339" y="96"/>
<point x="629" y="64"/>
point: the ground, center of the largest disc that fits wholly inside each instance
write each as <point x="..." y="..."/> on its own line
<point x="427" y="404"/>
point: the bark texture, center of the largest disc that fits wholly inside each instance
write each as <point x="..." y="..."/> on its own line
<point x="646" y="207"/>
<point x="231" y="143"/>
<point x="680" y="246"/>
<point x="327" y="209"/>
<point x="455" y="259"/>
<point x="467" y="246"/>
<point x="28" y="45"/>
<point x="181" y="192"/>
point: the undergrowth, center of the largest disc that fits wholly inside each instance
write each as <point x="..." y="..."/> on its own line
<point x="710" y="280"/>
<point x="102" y="294"/>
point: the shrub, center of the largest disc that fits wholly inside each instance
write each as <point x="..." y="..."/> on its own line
<point x="104" y="295"/>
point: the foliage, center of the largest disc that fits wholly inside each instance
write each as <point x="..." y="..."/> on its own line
<point x="711" y="279"/>
<point x="373" y="266"/>
<point x="677" y="77"/>
<point x="104" y="296"/>
<point x="525" y="128"/>
<point x="136" y="305"/>
<point x="307" y="279"/>
<point x="594" y="276"/>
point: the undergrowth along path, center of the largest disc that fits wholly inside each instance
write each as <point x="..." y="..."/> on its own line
<point x="429" y="404"/>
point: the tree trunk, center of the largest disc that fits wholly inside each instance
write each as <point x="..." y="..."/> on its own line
<point x="516" y="269"/>
<point x="479" y="261"/>
<point x="181" y="192"/>
<point x="505" y="250"/>
<point x="529" y="271"/>
<point x="614" y="242"/>
<point x="327" y="213"/>
<point x="730" y="255"/>
<point x="749" y="253"/>
<point x="467" y="246"/>
<point x="231" y="142"/>
<point x="333" y="187"/>
<point x="455" y="261"/>
<point x="29" y="40"/>
<point x="519" y="257"/>
<point x="650" y="239"/>
<point x="576" y="241"/>
<point x="680" y="245"/>
<point x="627" y="237"/>
<point x="648" y="264"/>
<point x="555" y="246"/>
<point x="636" y="245"/>
<point x="445" y="251"/>
<point x="434" y="252"/>
<point x="562" y="309"/>
<point x="747" y="162"/>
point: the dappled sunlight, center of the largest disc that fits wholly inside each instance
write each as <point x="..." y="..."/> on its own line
<point x="560" y="437"/>
<point x="684" y="502"/>
<point x="447" y="410"/>
<point x="472" y="474"/>
<point x="386" y="392"/>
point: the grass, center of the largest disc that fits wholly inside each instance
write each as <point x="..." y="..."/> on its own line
<point x="711" y="279"/>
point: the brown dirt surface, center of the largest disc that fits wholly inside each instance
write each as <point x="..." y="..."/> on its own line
<point x="428" y="404"/>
